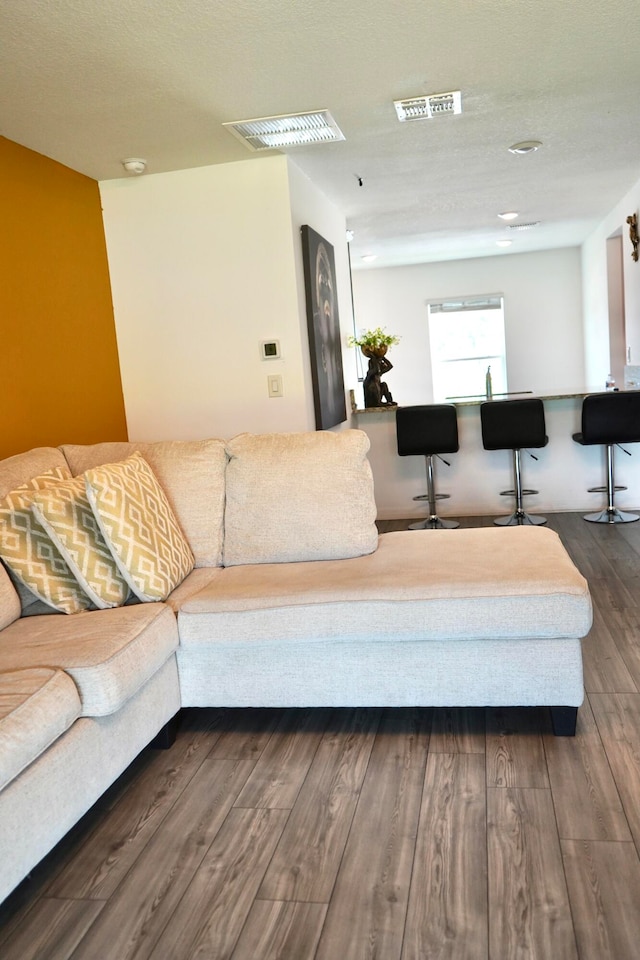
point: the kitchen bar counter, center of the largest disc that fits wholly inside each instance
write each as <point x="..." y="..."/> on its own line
<point x="562" y="473"/>
<point x="477" y="399"/>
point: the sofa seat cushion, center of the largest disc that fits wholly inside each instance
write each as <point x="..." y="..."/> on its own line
<point x="36" y="707"/>
<point x="109" y="653"/>
<point x="516" y="582"/>
<point x="193" y="583"/>
<point x="298" y="496"/>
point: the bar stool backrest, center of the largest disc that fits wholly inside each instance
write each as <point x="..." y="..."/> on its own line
<point x="611" y="417"/>
<point x="513" y="424"/>
<point x="427" y="429"/>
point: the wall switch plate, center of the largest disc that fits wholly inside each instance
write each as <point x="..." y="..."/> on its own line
<point x="274" y="383"/>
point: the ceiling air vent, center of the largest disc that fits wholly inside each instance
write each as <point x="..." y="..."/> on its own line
<point x="287" y="130"/>
<point x="429" y="106"/>
<point x="524" y="226"/>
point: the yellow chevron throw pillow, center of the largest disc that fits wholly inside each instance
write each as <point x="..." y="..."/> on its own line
<point x="139" y="527"/>
<point x="65" y="513"/>
<point x="27" y="550"/>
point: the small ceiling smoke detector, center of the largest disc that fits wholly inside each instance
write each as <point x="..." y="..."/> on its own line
<point x="135" y="165"/>
<point x="430" y="106"/>
<point x="523" y="226"/>
<point x="287" y="130"/>
<point x="527" y="146"/>
<point x="510" y="215"/>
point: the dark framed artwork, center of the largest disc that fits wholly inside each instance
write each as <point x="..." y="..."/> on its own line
<point x="323" y="322"/>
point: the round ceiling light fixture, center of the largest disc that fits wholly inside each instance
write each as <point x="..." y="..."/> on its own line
<point x="526" y="146"/>
<point x="503" y="243"/>
<point x="135" y="165"/>
<point x="368" y="257"/>
<point x="509" y="215"/>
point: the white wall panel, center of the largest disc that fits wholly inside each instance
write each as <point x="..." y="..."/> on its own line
<point x="202" y="270"/>
<point x="205" y="264"/>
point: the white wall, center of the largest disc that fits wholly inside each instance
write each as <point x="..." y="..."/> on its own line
<point x="594" y="273"/>
<point x="543" y="317"/>
<point x="204" y="265"/>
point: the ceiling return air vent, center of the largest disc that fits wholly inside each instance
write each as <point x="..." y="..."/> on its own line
<point x="287" y="130"/>
<point x="430" y="106"/>
<point x="524" y="226"/>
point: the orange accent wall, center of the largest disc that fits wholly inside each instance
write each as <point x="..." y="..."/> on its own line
<point x="59" y="371"/>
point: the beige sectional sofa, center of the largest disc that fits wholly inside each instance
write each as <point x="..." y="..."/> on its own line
<point x="293" y="600"/>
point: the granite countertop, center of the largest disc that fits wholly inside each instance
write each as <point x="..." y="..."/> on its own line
<point x="476" y="400"/>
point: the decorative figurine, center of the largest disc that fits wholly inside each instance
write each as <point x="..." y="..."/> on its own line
<point x="376" y="392"/>
<point x="374" y="345"/>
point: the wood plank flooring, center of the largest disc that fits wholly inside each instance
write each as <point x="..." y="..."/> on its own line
<point x="413" y="834"/>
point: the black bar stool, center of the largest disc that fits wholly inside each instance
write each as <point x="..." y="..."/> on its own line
<point x="610" y="419"/>
<point x="428" y="431"/>
<point x="514" y="425"/>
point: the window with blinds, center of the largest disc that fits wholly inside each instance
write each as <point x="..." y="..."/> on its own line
<point x="467" y="339"/>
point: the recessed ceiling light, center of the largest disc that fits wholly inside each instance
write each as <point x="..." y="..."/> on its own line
<point x="510" y="215"/>
<point x="527" y="146"/>
<point x="369" y="256"/>
<point x="287" y="130"/>
<point x="503" y="243"/>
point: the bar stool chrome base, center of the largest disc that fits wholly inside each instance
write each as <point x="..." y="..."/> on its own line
<point x="520" y="519"/>
<point x="611" y="515"/>
<point x="434" y="523"/>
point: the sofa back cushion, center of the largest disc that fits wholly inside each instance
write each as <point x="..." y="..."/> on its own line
<point x="18" y="470"/>
<point x="191" y="473"/>
<point x="299" y="496"/>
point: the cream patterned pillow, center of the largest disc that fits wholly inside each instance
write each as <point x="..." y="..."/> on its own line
<point x="65" y="513"/>
<point x="139" y="527"/>
<point x="30" y="555"/>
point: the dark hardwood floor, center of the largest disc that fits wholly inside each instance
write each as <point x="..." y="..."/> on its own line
<point x="392" y="834"/>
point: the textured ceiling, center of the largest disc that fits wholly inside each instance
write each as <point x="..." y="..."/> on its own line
<point x="90" y="82"/>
